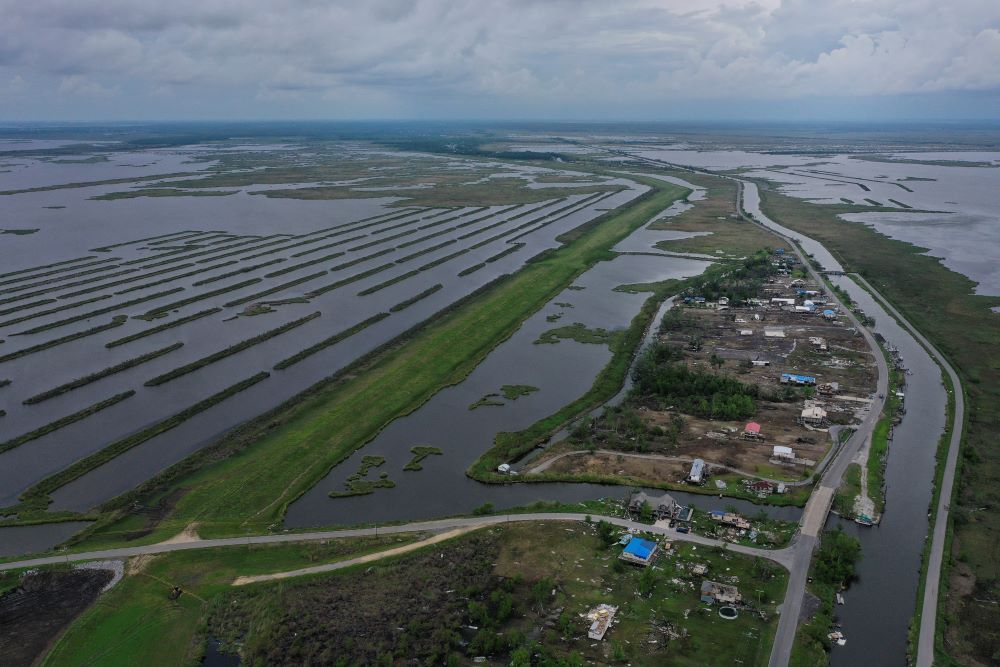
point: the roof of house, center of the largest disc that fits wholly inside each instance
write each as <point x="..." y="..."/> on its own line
<point x="782" y="449"/>
<point x="752" y="427"/>
<point x="640" y="548"/>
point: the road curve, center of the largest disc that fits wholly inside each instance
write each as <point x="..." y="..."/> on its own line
<point x="928" y="611"/>
<point x="783" y="557"/>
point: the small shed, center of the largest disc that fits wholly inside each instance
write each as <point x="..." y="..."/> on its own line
<point x="829" y="314"/>
<point x="697" y="475"/>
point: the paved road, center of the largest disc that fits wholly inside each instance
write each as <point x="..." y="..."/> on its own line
<point x="783" y="557"/>
<point x="928" y="612"/>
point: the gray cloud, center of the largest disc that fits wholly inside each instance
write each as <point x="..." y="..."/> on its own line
<point x="515" y="57"/>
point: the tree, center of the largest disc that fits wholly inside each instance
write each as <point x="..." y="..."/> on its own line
<point x="646" y="512"/>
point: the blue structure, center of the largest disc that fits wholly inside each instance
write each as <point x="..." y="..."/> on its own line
<point x="829" y="314"/>
<point x="639" y="551"/>
<point x="792" y="378"/>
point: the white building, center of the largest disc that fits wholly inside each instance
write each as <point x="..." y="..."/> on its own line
<point x="783" y="452"/>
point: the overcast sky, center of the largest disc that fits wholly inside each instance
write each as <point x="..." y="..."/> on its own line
<point x="543" y="59"/>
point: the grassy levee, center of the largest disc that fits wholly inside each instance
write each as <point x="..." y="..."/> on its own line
<point x="229" y="351"/>
<point x="116" y="321"/>
<point x="167" y="238"/>
<point x="943" y="306"/>
<point x="246" y="481"/>
<point x="63" y="422"/>
<point x="406" y="303"/>
<point x="99" y="311"/>
<point x="161" y="327"/>
<point x="94" y="377"/>
<point x="38" y="495"/>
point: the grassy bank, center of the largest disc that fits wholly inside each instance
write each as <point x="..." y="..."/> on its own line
<point x="276" y="458"/>
<point x="943" y="305"/>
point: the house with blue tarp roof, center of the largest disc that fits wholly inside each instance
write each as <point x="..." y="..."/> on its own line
<point x="795" y="378"/>
<point x="639" y="551"/>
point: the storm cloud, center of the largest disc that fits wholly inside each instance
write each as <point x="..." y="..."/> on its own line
<point x="486" y="58"/>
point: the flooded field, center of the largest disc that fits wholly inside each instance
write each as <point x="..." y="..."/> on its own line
<point x="137" y="321"/>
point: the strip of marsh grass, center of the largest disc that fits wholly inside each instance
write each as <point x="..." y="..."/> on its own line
<point x="63" y="422"/>
<point x="230" y="274"/>
<point x="403" y="305"/>
<point x="303" y="253"/>
<point x="302" y="265"/>
<point x="403" y="260"/>
<point x="503" y="253"/>
<point x="182" y="234"/>
<point x="162" y="327"/>
<point x="327" y="342"/>
<point x="350" y="279"/>
<point x="98" y="375"/>
<point x="58" y="271"/>
<point x="51" y="311"/>
<point x="27" y="306"/>
<point x="46" y="266"/>
<point x="359" y="260"/>
<point x="155" y="312"/>
<point x="117" y="321"/>
<point x="171" y="279"/>
<point x="264" y="468"/>
<point x="472" y="269"/>
<point x="229" y="351"/>
<point x="274" y="290"/>
<point x="39" y="493"/>
<point x="388" y="283"/>
<point x="100" y="311"/>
